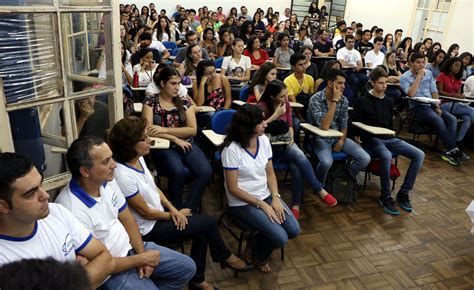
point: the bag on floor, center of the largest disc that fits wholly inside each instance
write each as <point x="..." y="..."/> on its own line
<point x="341" y="183"/>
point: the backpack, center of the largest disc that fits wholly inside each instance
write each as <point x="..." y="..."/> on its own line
<point x="341" y="183"/>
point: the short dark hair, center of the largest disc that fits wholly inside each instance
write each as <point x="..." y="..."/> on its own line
<point x="366" y="31"/>
<point x="43" y="274"/>
<point x="192" y="11"/>
<point x="125" y="134"/>
<point x="190" y="33"/>
<point x="359" y="25"/>
<point x="349" y="37"/>
<point x="377" y="73"/>
<point x="12" y="167"/>
<point x="332" y="74"/>
<point x="378" y="30"/>
<point x="416" y="55"/>
<point x="294" y="58"/>
<point x="145" y="36"/>
<point x="398" y="30"/>
<point x="378" y="38"/>
<point x="78" y="154"/>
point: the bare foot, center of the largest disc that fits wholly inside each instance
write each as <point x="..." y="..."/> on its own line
<point x="235" y="262"/>
<point x="204" y="285"/>
<point x="265" y="268"/>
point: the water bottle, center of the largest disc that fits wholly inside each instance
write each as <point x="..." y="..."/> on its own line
<point x="136" y="81"/>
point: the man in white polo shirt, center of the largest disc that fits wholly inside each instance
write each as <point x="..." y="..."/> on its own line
<point x="96" y="201"/>
<point x="30" y="227"/>
<point x="375" y="57"/>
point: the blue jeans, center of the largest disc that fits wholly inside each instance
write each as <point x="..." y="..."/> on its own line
<point x="270" y="235"/>
<point x="323" y="150"/>
<point x="174" y="271"/>
<point x="300" y="167"/>
<point x="445" y="125"/>
<point x="463" y="111"/>
<point x="384" y="149"/>
<point x="172" y="162"/>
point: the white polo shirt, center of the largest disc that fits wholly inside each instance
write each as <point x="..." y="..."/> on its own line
<point x="133" y="182"/>
<point x="59" y="236"/>
<point x="153" y="89"/>
<point x="99" y="214"/>
<point x="251" y="174"/>
<point x="350" y="56"/>
<point x="374" y="59"/>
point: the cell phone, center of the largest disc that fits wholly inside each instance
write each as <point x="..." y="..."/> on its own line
<point x="152" y="143"/>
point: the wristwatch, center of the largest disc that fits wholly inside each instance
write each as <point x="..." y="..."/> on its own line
<point x="276" y="195"/>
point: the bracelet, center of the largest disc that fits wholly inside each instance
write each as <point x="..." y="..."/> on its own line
<point x="276" y="195"/>
<point x="334" y="102"/>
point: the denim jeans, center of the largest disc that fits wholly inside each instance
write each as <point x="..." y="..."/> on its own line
<point x="172" y="162"/>
<point x="394" y="93"/>
<point x="445" y="125"/>
<point x="300" y="167"/>
<point x="323" y="150"/>
<point x="357" y="81"/>
<point x="203" y="230"/>
<point x="174" y="271"/>
<point x="463" y="111"/>
<point x="270" y="235"/>
<point x="384" y="149"/>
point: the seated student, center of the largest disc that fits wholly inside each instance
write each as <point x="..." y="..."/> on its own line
<point x="251" y="186"/>
<point x="191" y="38"/>
<point x="310" y="68"/>
<point x="274" y="104"/>
<point x="258" y="56"/>
<point x="145" y="68"/>
<point x="342" y="41"/>
<point x="469" y="87"/>
<point x="404" y="49"/>
<point x="209" y="42"/>
<point x="328" y="110"/>
<point x="364" y="45"/>
<point x="350" y="57"/>
<point x="268" y="43"/>
<point x="466" y="58"/>
<point x="158" y="49"/>
<point x="436" y="62"/>
<point x="374" y="109"/>
<point x="303" y="37"/>
<point x="173" y="118"/>
<point x="321" y="83"/>
<point x="323" y="46"/>
<point x="153" y="88"/>
<point x="193" y="57"/>
<point x="129" y="142"/>
<point x="449" y="84"/>
<point x="95" y="199"/>
<point x="418" y="82"/>
<point x="393" y="77"/>
<point x="92" y="115"/>
<point x="283" y="52"/>
<point x="237" y="66"/>
<point x="32" y="228"/>
<point x="224" y="46"/>
<point x="298" y="82"/>
<point x="375" y="57"/>
<point x="264" y="75"/>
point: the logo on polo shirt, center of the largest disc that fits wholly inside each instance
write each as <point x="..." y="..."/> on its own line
<point x="114" y="199"/>
<point x="68" y="246"/>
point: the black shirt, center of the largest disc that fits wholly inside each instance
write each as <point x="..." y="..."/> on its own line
<point x="363" y="47"/>
<point x="340" y="44"/>
<point x="326" y="47"/>
<point x="373" y="111"/>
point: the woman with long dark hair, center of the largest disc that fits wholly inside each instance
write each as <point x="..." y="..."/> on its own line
<point x="162" y="27"/>
<point x="453" y="50"/>
<point x="436" y="62"/>
<point x="266" y="73"/>
<point x="252" y="188"/>
<point x="129" y="141"/>
<point x="224" y="47"/>
<point x="449" y="84"/>
<point x="258" y="56"/>
<point x="466" y="58"/>
<point x="172" y="117"/>
<point x="274" y="103"/>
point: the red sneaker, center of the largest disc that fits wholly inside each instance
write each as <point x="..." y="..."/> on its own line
<point x="296" y="213"/>
<point x="329" y="200"/>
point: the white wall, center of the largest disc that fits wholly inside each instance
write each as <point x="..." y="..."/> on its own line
<point x="278" y="5"/>
<point x="393" y="14"/>
<point x="462" y="26"/>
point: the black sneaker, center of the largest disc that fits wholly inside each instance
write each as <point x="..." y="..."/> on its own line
<point x="404" y="201"/>
<point x="461" y="156"/>
<point x="450" y="158"/>
<point x="388" y="205"/>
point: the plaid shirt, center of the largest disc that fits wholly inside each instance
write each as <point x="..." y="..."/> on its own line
<point x="318" y="108"/>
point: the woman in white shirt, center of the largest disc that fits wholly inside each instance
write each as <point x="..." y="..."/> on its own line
<point x="237" y="66"/>
<point x="251" y="186"/>
<point x="146" y="68"/>
<point x="129" y="142"/>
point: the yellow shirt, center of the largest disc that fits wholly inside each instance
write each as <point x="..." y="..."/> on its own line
<point x="294" y="87"/>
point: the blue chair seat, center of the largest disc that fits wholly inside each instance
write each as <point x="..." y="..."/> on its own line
<point x="281" y="166"/>
<point x="339" y="156"/>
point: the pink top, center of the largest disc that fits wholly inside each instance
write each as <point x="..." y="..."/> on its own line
<point x="285" y="117"/>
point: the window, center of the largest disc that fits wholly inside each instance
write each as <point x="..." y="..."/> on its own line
<point x="431" y="19"/>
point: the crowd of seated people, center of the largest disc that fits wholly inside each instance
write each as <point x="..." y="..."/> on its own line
<point x="115" y="221"/>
